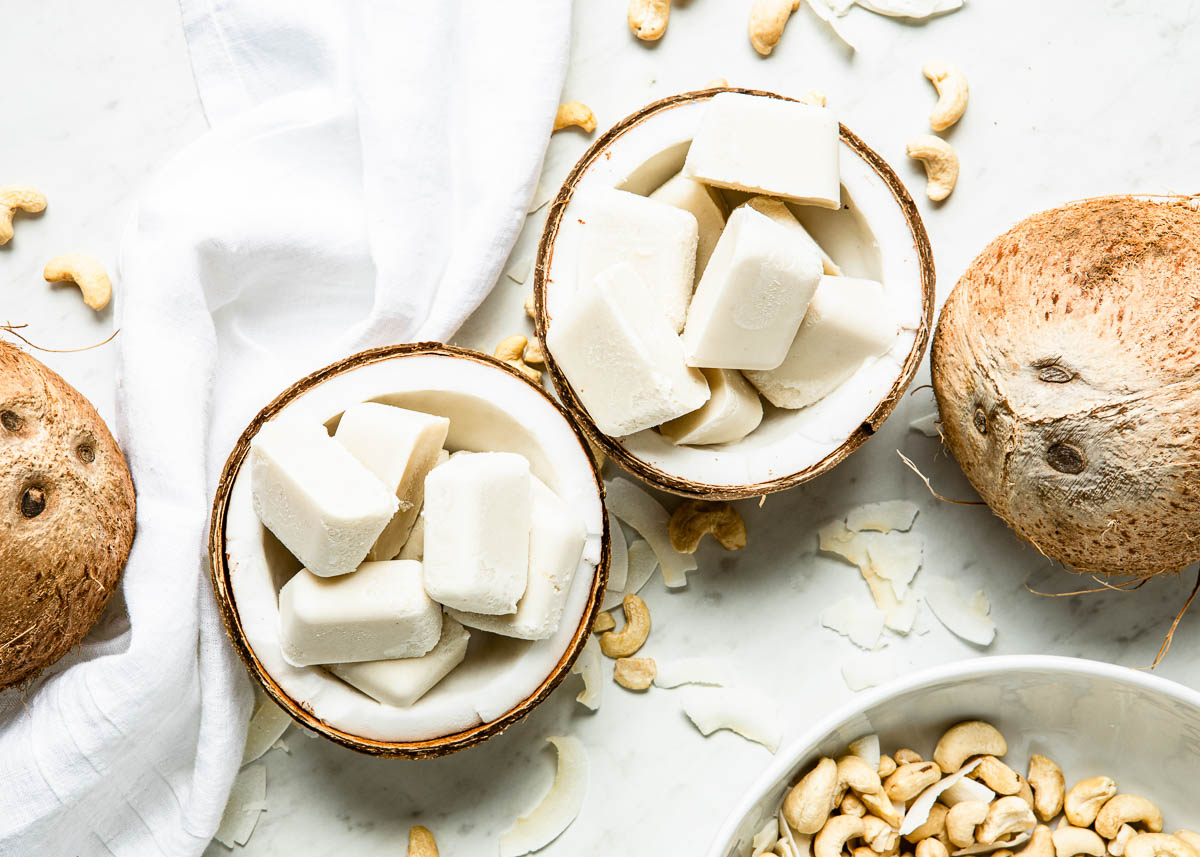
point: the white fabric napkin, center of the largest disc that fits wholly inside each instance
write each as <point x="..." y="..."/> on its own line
<point x="368" y="169"/>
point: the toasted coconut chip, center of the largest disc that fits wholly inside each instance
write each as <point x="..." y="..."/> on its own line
<point x="868" y="669"/>
<point x="860" y="622"/>
<point x="708" y="671"/>
<point x="618" y="565"/>
<point x="558" y="808"/>
<point x="895" y="557"/>
<point x="965" y="618"/>
<point x="926" y="425"/>
<point x="883" y="517"/>
<point x="867" y="749"/>
<point x="646" y="515"/>
<point x="747" y="713"/>
<point x="267" y="725"/>
<point x="967" y="789"/>
<point x="590" y="666"/>
<point x="903" y="616"/>
<point x="918" y="811"/>
<point x="766" y="838"/>
<point x="1016" y="842"/>
<point x="247" y="801"/>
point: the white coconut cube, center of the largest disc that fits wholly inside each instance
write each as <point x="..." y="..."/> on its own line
<point x="320" y="501"/>
<point x="400" y="447"/>
<point x="848" y="323"/>
<point x="778" y="210"/>
<point x="732" y="412"/>
<point x="752" y="297"/>
<point x="555" y="547"/>
<point x="624" y="360"/>
<point x="380" y="611"/>
<point x="478" y="514"/>
<point x="402" y="681"/>
<point x="682" y="192"/>
<point x="770" y="146"/>
<point x="657" y="238"/>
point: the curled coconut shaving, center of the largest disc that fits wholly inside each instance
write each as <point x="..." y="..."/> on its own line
<point x="267" y="725"/>
<point x="558" y="808"/>
<point x="247" y="801"/>
<point x="618" y="565"/>
<point x="883" y="517"/>
<point x="589" y="666"/>
<point x="867" y="748"/>
<point x="706" y="671"/>
<point x="851" y="618"/>
<point x="646" y="515"/>
<point x="642" y="563"/>
<point x="869" y="669"/>
<point x="747" y="713"/>
<point x="965" y="618"/>
<point x="766" y="838"/>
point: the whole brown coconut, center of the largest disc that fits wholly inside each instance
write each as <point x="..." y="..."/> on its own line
<point x="66" y="516"/>
<point x="1066" y="370"/>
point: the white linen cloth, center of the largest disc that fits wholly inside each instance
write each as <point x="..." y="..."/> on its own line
<point x="368" y="169"/>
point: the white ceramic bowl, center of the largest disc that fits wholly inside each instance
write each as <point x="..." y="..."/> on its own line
<point x="1091" y="718"/>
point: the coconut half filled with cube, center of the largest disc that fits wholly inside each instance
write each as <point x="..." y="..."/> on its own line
<point x="733" y="291"/>
<point x="409" y="548"/>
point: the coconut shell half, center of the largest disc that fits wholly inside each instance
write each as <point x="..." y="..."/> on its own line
<point x="66" y="516"/>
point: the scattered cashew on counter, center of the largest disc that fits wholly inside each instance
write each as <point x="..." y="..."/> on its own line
<point x="575" y="114"/>
<point x="767" y="20"/>
<point x="626" y="642"/>
<point x="18" y="197"/>
<point x="648" y="18"/>
<point x="85" y="272"/>
<point x="604" y="622"/>
<point x="694" y="519"/>
<point x="940" y="161"/>
<point x="635" y="673"/>
<point x="952" y="90"/>
<point x="421" y="843"/>
<point x="814" y="97"/>
<point x="512" y="351"/>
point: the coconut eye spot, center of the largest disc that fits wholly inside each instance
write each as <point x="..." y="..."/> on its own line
<point x="1054" y="375"/>
<point x="33" y="502"/>
<point x="11" y="421"/>
<point x="980" y="421"/>
<point x="1065" y="458"/>
<point x="86" y="453"/>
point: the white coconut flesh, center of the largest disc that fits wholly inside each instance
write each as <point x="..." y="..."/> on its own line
<point x="869" y="237"/>
<point x="489" y="410"/>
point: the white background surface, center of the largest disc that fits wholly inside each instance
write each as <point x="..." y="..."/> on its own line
<point x="1071" y="99"/>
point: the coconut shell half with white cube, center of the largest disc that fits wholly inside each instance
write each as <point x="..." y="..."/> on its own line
<point x="810" y="306"/>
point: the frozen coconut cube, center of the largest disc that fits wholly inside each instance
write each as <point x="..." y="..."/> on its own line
<point x="555" y="546"/>
<point x="733" y="411"/>
<point x="848" y="323"/>
<point x="380" y="611"/>
<point x="658" y="239"/>
<point x="318" y="499"/>
<point x="477" y="522"/>
<point x="402" y="681"/>
<point x="682" y="192"/>
<point x="626" y="364"/>
<point x="777" y="210"/>
<point x="752" y="297"/>
<point x="768" y="145"/>
<point x="400" y="447"/>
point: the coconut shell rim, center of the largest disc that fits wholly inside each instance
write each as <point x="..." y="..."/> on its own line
<point x="219" y="570"/>
<point x="670" y="482"/>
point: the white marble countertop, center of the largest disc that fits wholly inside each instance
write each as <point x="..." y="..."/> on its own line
<point x="1072" y="99"/>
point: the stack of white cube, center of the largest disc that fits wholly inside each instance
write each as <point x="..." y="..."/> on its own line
<point x="682" y="316"/>
<point x="404" y="546"/>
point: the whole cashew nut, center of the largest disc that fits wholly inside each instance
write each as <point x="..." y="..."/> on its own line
<point x="809" y="803"/>
<point x="880" y="836"/>
<point x="910" y="780"/>
<point x="1128" y="809"/>
<point x="887" y="766"/>
<point x="575" y="114"/>
<point x="421" y="843"/>
<point x="905" y="756"/>
<point x="1159" y="845"/>
<point x="934" y="826"/>
<point x="1070" y="841"/>
<point x="1118" y="844"/>
<point x="940" y="161"/>
<point x="952" y="90"/>
<point x="1188" y="836"/>
<point x="1041" y="844"/>
<point x="1049" y="787"/>
<point x="964" y="740"/>
<point x="997" y="776"/>
<point x="648" y="18"/>
<point x="694" y="519"/>
<point x="1007" y="815"/>
<point x="881" y="805"/>
<point x="1082" y="803"/>
<point x="16" y="197"/>
<point x="626" y="642"/>
<point x="962" y="819"/>
<point x="931" y="848"/>
<point x="635" y="673"/>
<point x="851" y="805"/>
<point x="767" y="20"/>
<point x="832" y="838"/>
<point x="85" y="272"/>
<point x="512" y="351"/>
<point x="857" y="775"/>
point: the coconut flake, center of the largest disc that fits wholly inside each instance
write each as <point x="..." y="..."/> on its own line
<point x="588" y="665"/>
<point x="914" y="9"/>
<point x="903" y="616"/>
<point x="267" y="725"/>
<point x="747" y="713"/>
<point x="918" y="811"/>
<point x="247" y="801"/>
<point x="618" y="565"/>
<point x="895" y="557"/>
<point x="642" y="563"/>
<point x="883" y="517"/>
<point x="766" y="838"/>
<point x="826" y="10"/>
<point x="790" y="843"/>
<point x="926" y="425"/>
<point x="868" y="669"/>
<point x="851" y="618"/>
<point x="836" y="538"/>
<point x="965" y="618"/>
<point x="646" y="515"/>
<point x="964" y="790"/>
<point x="541" y="196"/>
<point x="867" y="749"/>
<point x="558" y="808"/>
<point x="519" y="270"/>
<point x="707" y="671"/>
<point x="1002" y="844"/>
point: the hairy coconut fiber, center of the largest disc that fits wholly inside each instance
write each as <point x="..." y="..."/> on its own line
<point x="1067" y="373"/>
<point x="66" y="516"/>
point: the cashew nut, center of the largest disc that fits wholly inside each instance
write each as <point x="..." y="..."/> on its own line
<point x="1127" y="809"/>
<point x="940" y="161"/>
<point x="626" y="642"/>
<point x="880" y="836"/>
<point x="862" y="851"/>
<point x="997" y="776"/>
<point x="905" y="756"/>
<point x="512" y="352"/>
<point x="1041" y="843"/>
<point x="881" y="805"/>
<point x="1082" y="803"/>
<point x="604" y="622"/>
<point x="807" y="806"/>
<point x="648" y="18"/>
<point x="851" y="805"/>
<point x="530" y="306"/>
<point x="83" y="271"/>
<point x="814" y="97"/>
<point x="1159" y="845"/>
<point x="1049" y="786"/>
<point x="1025" y="792"/>
<point x="934" y="826"/>
<point x="1007" y="815"/>
<point x="833" y="837"/>
<point x="575" y="114"/>
<point x="856" y="774"/>
<point x="18" y="196"/>
<point x="694" y="519"/>
<point x="767" y="19"/>
<point x="716" y="83"/>
<point x="951" y="85"/>
<point x="533" y="352"/>
<point x="1191" y="838"/>
<point x="421" y="842"/>
<point x="887" y="766"/>
<point x="931" y="847"/>
<point x="971" y="738"/>
<point x="1118" y="844"/>
<point x="962" y="819"/>
<point x="1070" y="841"/>
<point x="635" y="673"/>
<point x="910" y="780"/>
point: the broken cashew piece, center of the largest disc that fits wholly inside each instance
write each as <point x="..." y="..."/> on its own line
<point x="648" y="18"/>
<point x="910" y="780"/>
<point x="1082" y="803"/>
<point x="717" y="83"/>
<point x="1071" y="841"/>
<point x="878" y="803"/>
<point x="421" y="842"/>
<point x="832" y="839"/>
<point x="932" y="848"/>
<point x="997" y="776"/>
<point x="940" y="161"/>
<point x="851" y="805"/>
<point x="934" y="826"/>
<point x="635" y="673"/>
<point x="512" y="352"/>
<point x="1007" y="815"/>
<point x="967" y="739"/>
<point x="879" y="836"/>
<point x="85" y="272"/>
<point x="534" y="353"/>
<point x="905" y="756"/>
<point x="814" y="97"/>
<point x="1159" y="845"/>
<point x="1049" y="787"/>
<point x="604" y="622"/>
<point x="530" y="306"/>
<point x="16" y="197"/>
<point x="952" y="90"/>
<point x="809" y="803"/>
<point x="626" y="642"/>
<point x="1190" y="837"/>
<point x="1041" y="843"/>
<point x="694" y="519"/>
<point x="962" y="819"/>
<point x="1128" y="809"/>
<point x="767" y="20"/>
<point x="1118" y="844"/>
<point x="575" y="114"/>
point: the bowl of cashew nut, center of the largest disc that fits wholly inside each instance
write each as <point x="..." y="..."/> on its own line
<point x="1025" y="756"/>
